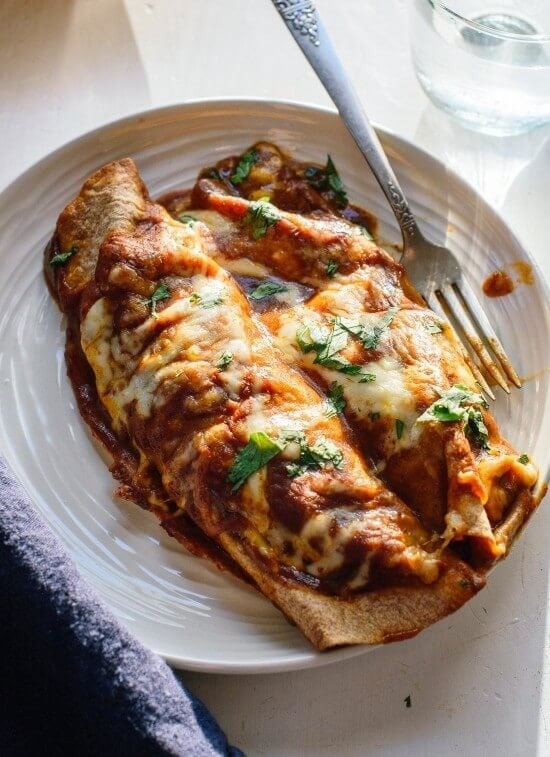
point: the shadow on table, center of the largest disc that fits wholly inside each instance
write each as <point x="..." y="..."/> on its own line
<point x="491" y="164"/>
<point x="526" y="203"/>
<point x="32" y="38"/>
<point x="74" y="61"/>
<point x="474" y="682"/>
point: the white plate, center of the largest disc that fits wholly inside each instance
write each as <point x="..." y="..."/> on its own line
<point x="178" y="605"/>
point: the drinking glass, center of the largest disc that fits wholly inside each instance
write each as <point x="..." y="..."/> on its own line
<point x="486" y="63"/>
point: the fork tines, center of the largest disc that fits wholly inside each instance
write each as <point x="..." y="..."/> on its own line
<point x="457" y="300"/>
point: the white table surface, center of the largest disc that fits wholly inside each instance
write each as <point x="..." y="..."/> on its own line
<point x="479" y="681"/>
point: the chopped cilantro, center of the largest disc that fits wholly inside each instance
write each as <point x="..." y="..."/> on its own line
<point x="399" y="427"/>
<point x="407" y="701"/>
<point x="161" y="293"/>
<point x="374" y="416"/>
<point x="460" y="404"/>
<point x="464" y="584"/>
<point x="259" y="450"/>
<point x="433" y="327"/>
<point x="261" y="215"/>
<point x="204" y="302"/>
<point x="211" y="302"/>
<point x="476" y="428"/>
<point x="336" y="403"/>
<point x="321" y="454"/>
<point x="266" y="289"/>
<point x="321" y="340"/>
<point x="332" y="268"/>
<point x="335" y="182"/>
<point x="326" y="344"/>
<point x="62" y="257"/>
<point x="327" y="178"/>
<point x="523" y="459"/>
<point x="185" y="218"/>
<point x="244" y="165"/>
<point x="225" y="359"/>
<point x="369" y="336"/>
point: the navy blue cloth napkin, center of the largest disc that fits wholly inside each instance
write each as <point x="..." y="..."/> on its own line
<point x="73" y="681"/>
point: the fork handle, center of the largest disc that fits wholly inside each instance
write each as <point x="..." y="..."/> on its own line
<point x="304" y="23"/>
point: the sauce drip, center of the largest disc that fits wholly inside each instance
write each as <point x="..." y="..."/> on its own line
<point x="498" y="284"/>
<point x="524" y="272"/>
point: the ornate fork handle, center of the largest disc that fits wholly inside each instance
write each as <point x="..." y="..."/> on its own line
<point x="303" y="22"/>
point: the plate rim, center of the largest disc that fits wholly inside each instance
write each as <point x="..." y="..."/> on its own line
<point x="275" y="103"/>
<point x="269" y="104"/>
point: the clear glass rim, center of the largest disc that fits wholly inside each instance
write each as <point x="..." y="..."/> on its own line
<point x="441" y="5"/>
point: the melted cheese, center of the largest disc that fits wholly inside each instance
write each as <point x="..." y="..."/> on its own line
<point x="492" y="467"/>
<point x="96" y="336"/>
<point x="331" y="540"/>
<point x="243" y="267"/>
<point x="175" y="353"/>
<point x="263" y="416"/>
<point x="232" y="375"/>
<point x="187" y="338"/>
<point x="256" y="418"/>
<point x="224" y="229"/>
<point x="389" y="394"/>
<point x="292" y="296"/>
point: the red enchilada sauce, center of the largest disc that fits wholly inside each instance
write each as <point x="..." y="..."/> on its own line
<point x="499" y="283"/>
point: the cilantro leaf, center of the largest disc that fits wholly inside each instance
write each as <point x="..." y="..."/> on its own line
<point x="433" y="327"/>
<point x="374" y="417"/>
<point x="335" y="182"/>
<point x="369" y="336"/>
<point x="224" y="361"/>
<point x="523" y="459"/>
<point x="332" y="268"/>
<point x="266" y="289"/>
<point x="211" y="302"/>
<point x="327" y="178"/>
<point x="452" y="404"/>
<point x="476" y="428"/>
<point x="261" y="215"/>
<point x="336" y="403"/>
<point x="244" y="165"/>
<point x="320" y="455"/>
<point x="185" y="218"/>
<point x="367" y="377"/>
<point x="399" y="427"/>
<point x="258" y="451"/>
<point x="204" y="302"/>
<point x="327" y="343"/>
<point x="62" y="257"/>
<point x="460" y="404"/>
<point x="161" y="293"/>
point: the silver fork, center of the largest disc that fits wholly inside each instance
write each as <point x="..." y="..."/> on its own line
<point x="432" y="269"/>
